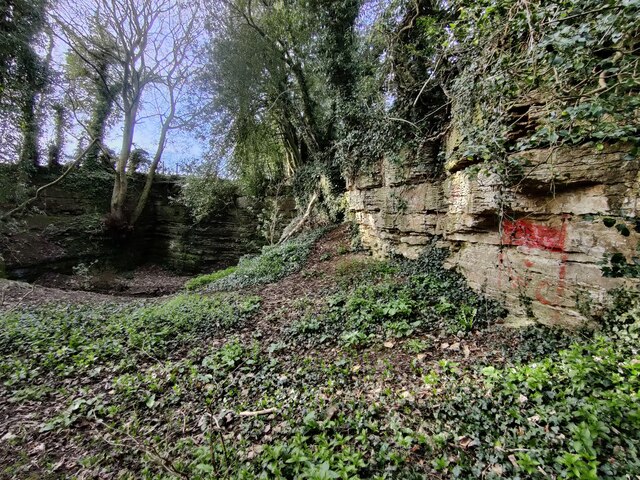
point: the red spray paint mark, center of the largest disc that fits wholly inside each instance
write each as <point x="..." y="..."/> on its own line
<point x="528" y="234"/>
<point x="541" y="294"/>
<point x="543" y="237"/>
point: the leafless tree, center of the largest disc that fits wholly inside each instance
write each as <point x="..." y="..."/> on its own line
<point x="152" y="49"/>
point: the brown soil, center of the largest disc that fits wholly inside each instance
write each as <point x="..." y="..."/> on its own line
<point x="147" y="281"/>
<point x="14" y="294"/>
<point x="52" y="287"/>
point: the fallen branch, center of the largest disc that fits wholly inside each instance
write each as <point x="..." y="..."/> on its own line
<point x="73" y="165"/>
<point x="302" y="221"/>
<point x="21" y="299"/>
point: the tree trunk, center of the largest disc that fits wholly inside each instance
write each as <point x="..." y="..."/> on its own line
<point x="102" y="107"/>
<point x="144" y="196"/>
<point x="29" y="129"/>
<point x="119" y="196"/>
<point x="55" y="149"/>
<point x="308" y="109"/>
<point x="291" y="146"/>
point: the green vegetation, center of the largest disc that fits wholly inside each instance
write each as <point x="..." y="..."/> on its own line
<point x="355" y="368"/>
<point x="311" y="95"/>
<point x="574" y="415"/>
<point x="202" y="280"/>
<point x="204" y="194"/>
<point x="500" y="76"/>
<point x="571" y="60"/>
<point x="75" y="340"/>
<point x="272" y="264"/>
<point x="24" y="75"/>
<point x="394" y="370"/>
<point x="399" y="299"/>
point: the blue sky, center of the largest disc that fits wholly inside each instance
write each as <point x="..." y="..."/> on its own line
<point x="183" y="146"/>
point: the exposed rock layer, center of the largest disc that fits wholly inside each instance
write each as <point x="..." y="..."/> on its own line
<point x="542" y="244"/>
<point x="66" y="232"/>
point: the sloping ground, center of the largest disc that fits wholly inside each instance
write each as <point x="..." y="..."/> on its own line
<point x="143" y="282"/>
<point x="347" y="368"/>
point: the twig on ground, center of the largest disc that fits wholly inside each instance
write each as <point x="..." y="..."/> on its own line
<point x="266" y="411"/>
<point x="21" y="299"/>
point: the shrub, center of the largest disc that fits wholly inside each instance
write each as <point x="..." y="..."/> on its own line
<point x="202" y="280"/>
<point x="274" y="263"/>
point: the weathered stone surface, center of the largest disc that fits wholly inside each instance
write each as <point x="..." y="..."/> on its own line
<point x="541" y="244"/>
<point x="67" y="232"/>
<point x="406" y="170"/>
<point x="395" y="217"/>
<point x="371" y="178"/>
<point x="581" y="201"/>
<point x="559" y="168"/>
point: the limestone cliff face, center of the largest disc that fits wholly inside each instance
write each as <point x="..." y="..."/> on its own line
<point x="544" y="244"/>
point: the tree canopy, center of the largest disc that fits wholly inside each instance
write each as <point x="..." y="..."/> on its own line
<point x="305" y="93"/>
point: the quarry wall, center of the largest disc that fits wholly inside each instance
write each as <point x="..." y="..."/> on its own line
<point x="552" y="243"/>
<point x="65" y="230"/>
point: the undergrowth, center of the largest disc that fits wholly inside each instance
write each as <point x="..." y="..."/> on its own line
<point x="205" y="387"/>
<point x="71" y="340"/>
<point x="202" y="280"/>
<point x="274" y="263"/>
<point x="396" y="299"/>
<point x="571" y="415"/>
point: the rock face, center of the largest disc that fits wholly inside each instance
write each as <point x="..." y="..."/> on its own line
<point x="551" y="244"/>
<point x="66" y="233"/>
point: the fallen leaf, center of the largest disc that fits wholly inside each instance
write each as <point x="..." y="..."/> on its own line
<point x="468" y="442"/>
<point x="406" y="394"/>
<point x="497" y="469"/>
<point x="330" y="412"/>
<point x="38" y="448"/>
